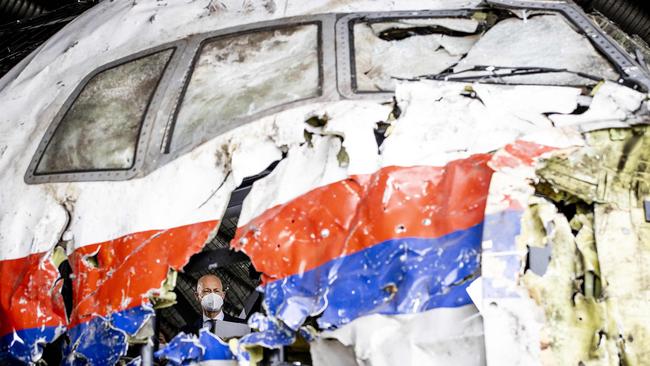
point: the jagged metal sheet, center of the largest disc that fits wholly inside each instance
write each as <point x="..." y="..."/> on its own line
<point x="122" y="238"/>
<point x="530" y="46"/>
<point x="392" y="242"/>
<point x="519" y="308"/>
<point x="340" y="250"/>
<point x="185" y="349"/>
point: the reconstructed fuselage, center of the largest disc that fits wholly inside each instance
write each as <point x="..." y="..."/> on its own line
<point x="442" y="181"/>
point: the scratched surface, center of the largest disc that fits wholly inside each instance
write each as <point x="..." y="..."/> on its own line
<point x="349" y="227"/>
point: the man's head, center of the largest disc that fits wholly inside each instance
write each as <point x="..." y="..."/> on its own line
<point x="210" y="293"/>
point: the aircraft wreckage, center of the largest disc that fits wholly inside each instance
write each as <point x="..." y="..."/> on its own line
<point x="416" y="182"/>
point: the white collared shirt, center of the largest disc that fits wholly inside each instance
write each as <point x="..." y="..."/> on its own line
<point x="206" y="320"/>
<point x="219" y="317"/>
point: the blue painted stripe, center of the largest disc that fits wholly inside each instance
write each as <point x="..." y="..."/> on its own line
<point x="401" y="276"/>
<point x="186" y="349"/>
<point x="215" y="349"/>
<point x="25" y="346"/>
<point x="102" y="341"/>
<point x="502" y="229"/>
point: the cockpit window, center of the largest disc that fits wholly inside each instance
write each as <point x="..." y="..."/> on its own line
<point x="545" y="42"/>
<point x="542" y="49"/>
<point x="237" y="76"/>
<point x="405" y="48"/>
<point x="100" y="130"/>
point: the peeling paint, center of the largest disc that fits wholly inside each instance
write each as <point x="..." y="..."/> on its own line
<point x="529" y="45"/>
<point x="371" y="227"/>
<point x="188" y="350"/>
<point x="384" y="51"/>
<point x="590" y="214"/>
<point x="608" y="268"/>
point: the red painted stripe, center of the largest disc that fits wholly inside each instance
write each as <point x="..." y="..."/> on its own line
<point x="29" y="297"/>
<point x="130" y="266"/>
<point x="519" y="153"/>
<point x="350" y="215"/>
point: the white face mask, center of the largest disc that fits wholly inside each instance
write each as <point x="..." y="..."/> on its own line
<point x="212" y="302"/>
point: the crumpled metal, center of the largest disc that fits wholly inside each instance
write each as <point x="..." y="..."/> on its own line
<point x="187" y="349"/>
<point x="401" y="241"/>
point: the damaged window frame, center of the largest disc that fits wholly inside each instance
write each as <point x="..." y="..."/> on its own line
<point x="336" y="70"/>
<point x="146" y="123"/>
<point x="345" y="38"/>
<point x="627" y="67"/>
<point x="327" y="78"/>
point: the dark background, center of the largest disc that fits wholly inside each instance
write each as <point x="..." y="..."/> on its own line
<point x="26" y="24"/>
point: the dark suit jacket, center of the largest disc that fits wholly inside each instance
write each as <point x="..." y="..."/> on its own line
<point x="198" y="324"/>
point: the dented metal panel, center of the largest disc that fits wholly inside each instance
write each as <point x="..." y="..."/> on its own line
<point x="351" y="246"/>
<point x="307" y="244"/>
<point x="207" y="349"/>
<point x="381" y="54"/>
<point x="31" y="310"/>
<point x="529" y="44"/>
<point x="370" y="229"/>
<point x="590" y="216"/>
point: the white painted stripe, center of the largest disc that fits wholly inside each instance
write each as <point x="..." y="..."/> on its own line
<point x="443" y="336"/>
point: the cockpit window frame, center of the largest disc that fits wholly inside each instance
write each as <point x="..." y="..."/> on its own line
<point x="165" y="152"/>
<point x="620" y="60"/>
<point x="346" y="56"/>
<point x="147" y="122"/>
<point x="624" y="64"/>
<point x="336" y="70"/>
<point x="167" y="145"/>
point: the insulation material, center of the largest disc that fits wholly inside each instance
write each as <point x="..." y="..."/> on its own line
<point x="612" y="173"/>
<point x="603" y="179"/>
<point x="529" y="45"/>
<point x="510" y="319"/>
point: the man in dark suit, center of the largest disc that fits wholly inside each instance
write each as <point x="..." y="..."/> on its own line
<point x="211" y="295"/>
